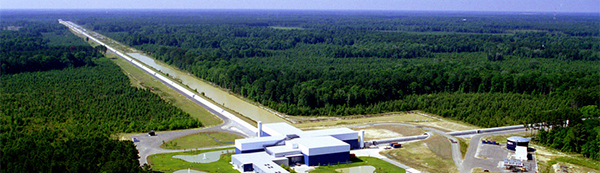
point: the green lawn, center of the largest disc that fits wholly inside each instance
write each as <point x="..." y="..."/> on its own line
<point x="582" y="161"/>
<point x="380" y="165"/>
<point x="166" y="163"/>
<point x="464" y="146"/>
<point x="202" y="139"/>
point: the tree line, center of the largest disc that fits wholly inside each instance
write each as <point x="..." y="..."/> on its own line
<point x="63" y="102"/>
<point x="488" y="69"/>
<point x="579" y="135"/>
<point x="322" y="70"/>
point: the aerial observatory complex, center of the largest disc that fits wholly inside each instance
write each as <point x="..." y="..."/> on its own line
<point x="283" y="144"/>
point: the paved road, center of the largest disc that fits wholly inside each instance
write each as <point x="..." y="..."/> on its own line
<point x="464" y="166"/>
<point x="149" y="145"/>
<point x="471" y="161"/>
<point x="374" y="152"/>
<point x="456" y="154"/>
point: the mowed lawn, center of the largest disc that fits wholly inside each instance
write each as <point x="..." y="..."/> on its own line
<point x="200" y="140"/>
<point x="166" y="163"/>
<point x="381" y="166"/>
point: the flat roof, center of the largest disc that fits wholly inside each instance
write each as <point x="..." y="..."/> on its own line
<point x="261" y="139"/>
<point x="282" y="149"/>
<point x="518" y="139"/>
<point x="326" y="132"/>
<point x="320" y="142"/>
<point x="282" y="128"/>
<point x="260" y="160"/>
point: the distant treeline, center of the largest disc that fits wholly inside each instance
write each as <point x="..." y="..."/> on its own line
<point x="333" y="70"/>
<point x="62" y="104"/>
<point x="488" y="69"/>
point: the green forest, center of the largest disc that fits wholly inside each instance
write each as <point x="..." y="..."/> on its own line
<point x="63" y="101"/>
<point x="364" y="63"/>
<point x="487" y="69"/>
<point x="579" y="136"/>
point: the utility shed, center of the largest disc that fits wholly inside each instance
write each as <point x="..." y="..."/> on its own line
<point x="521" y="153"/>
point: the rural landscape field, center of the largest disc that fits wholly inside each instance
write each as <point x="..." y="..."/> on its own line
<point x="81" y="89"/>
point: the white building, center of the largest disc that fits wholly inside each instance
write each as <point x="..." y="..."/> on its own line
<point x="283" y="144"/>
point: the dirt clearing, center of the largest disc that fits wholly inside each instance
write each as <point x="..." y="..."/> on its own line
<point x="430" y="155"/>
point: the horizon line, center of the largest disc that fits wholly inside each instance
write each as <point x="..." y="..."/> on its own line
<point x="268" y="9"/>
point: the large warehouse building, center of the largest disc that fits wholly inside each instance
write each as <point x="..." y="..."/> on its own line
<point x="284" y="144"/>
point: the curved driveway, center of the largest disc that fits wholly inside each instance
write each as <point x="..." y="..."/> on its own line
<point x="149" y="145"/>
<point x="471" y="161"/>
<point x="456" y="154"/>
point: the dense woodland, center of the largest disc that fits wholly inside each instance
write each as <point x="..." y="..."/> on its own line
<point x="488" y="69"/>
<point x="62" y="102"/>
<point x="302" y="63"/>
<point x="579" y="136"/>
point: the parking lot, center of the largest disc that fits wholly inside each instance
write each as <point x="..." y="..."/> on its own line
<point x="492" y="157"/>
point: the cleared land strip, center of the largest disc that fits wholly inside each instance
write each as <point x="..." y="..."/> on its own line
<point x="149" y="145"/>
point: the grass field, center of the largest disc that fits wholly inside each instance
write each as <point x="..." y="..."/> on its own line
<point x="192" y="106"/>
<point x="430" y="155"/>
<point x="389" y="131"/>
<point x="464" y="146"/>
<point x="166" y="163"/>
<point x="380" y="165"/>
<point x="141" y="79"/>
<point x="199" y="140"/>
<point x="392" y="117"/>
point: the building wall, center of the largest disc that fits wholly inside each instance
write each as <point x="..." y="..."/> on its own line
<point x="324" y="150"/>
<point x="265" y="134"/>
<point x="248" y="167"/>
<point x="327" y="159"/>
<point x="253" y="144"/>
<point x="238" y="151"/>
<point x="354" y="143"/>
<point x="512" y="145"/>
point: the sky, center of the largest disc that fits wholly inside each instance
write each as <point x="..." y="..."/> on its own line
<point x="402" y="5"/>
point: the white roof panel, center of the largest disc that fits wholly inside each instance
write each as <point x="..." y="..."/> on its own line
<point x="319" y="142"/>
<point x="260" y="160"/>
<point x="280" y="129"/>
<point x="327" y="132"/>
